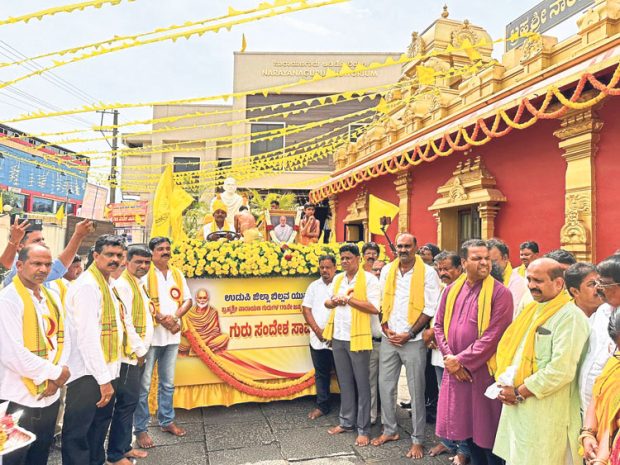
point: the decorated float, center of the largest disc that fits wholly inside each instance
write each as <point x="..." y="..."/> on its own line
<point x="246" y="340"/>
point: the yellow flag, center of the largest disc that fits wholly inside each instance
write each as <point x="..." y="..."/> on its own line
<point x="179" y="202"/>
<point x="382" y="107"/>
<point x="244" y="43"/>
<point x="60" y="214"/>
<point x="161" y="204"/>
<point x="471" y="51"/>
<point x="378" y="208"/>
<point x="426" y="75"/>
<point x="138" y="220"/>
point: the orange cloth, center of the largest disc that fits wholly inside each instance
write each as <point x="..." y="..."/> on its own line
<point x="207" y="324"/>
<point x="314" y="227"/>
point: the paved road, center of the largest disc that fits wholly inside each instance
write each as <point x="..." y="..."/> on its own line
<point x="276" y="433"/>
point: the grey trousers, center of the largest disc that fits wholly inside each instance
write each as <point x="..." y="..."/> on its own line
<point x="413" y="356"/>
<point x="374" y="379"/>
<point x="353" y="372"/>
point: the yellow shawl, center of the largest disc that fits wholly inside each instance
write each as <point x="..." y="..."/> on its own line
<point x="521" y="270"/>
<point x="507" y="274"/>
<point x="34" y="338"/>
<point x="361" y="337"/>
<point x="138" y="314"/>
<point x="606" y="393"/>
<point x="214" y="228"/>
<point x="522" y="328"/>
<point x="416" y="291"/>
<point x="484" y="310"/>
<point x="109" y="328"/>
<point x="62" y="289"/>
<point x="153" y="289"/>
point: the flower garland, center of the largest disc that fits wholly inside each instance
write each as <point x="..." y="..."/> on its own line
<point x="242" y="383"/>
<point x="421" y="152"/>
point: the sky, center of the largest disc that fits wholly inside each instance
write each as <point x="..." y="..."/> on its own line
<point x="201" y="66"/>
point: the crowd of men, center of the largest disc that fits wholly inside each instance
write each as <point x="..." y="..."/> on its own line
<point x="79" y="347"/>
<point x="525" y="359"/>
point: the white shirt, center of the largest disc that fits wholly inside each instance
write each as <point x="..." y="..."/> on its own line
<point x="398" y="321"/>
<point x="84" y="306"/>
<point x="167" y="306"/>
<point x="53" y="286"/>
<point x="283" y="233"/>
<point x="212" y="227"/>
<point x="342" y="317"/>
<point x="140" y="346"/>
<point x="16" y="360"/>
<point x="600" y="348"/>
<point x="436" y="355"/>
<point x="316" y="295"/>
<point x="517" y="285"/>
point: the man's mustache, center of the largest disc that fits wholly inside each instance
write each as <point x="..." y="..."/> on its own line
<point x="114" y="264"/>
<point x="165" y="255"/>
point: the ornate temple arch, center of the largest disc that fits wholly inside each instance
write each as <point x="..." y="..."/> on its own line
<point x="467" y="205"/>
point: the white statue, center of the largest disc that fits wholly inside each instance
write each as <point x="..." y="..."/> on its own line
<point x="230" y="197"/>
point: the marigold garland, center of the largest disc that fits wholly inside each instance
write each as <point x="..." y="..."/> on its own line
<point x="420" y="152"/>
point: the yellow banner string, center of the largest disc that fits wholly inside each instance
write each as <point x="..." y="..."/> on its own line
<point x="60" y="9"/>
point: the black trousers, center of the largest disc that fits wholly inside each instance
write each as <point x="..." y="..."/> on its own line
<point x="40" y="421"/>
<point x="85" y="426"/>
<point x="481" y="456"/>
<point x="127" y="395"/>
<point x="323" y="361"/>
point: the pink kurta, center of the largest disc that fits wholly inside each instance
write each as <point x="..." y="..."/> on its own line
<point x="463" y="411"/>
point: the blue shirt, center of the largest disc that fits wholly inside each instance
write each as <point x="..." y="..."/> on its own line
<point x="57" y="272"/>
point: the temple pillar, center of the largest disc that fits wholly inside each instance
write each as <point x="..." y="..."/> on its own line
<point x="403" y="189"/>
<point x="579" y="134"/>
<point x="487" y="212"/>
<point x="333" y="208"/>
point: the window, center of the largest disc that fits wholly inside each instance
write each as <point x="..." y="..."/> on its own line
<point x="469" y="224"/>
<point x="187" y="164"/>
<point x="262" y="141"/>
<point x="356" y="130"/>
<point x="40" y="205"/>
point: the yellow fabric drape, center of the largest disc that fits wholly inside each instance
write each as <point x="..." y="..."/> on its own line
<point x="138" y="312"/>
<point x="109" y="329"/>
<point x="606" y="394"/>
<point x="416" y="291"/>
<point x="62" y="289"/>
<point x="521" y="270"/>
<point x="153" y="288"/>
<point x="507" y="274"/>
<point x="34" y="338"/>
<point x="361" y="337"/>
<point x="522" y="328"/>
<point x="484" y="310"/>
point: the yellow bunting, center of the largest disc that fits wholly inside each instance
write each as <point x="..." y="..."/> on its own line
<point x="426" y="75"/>
<point x="470" y="50"/>
<point x="59" y="9"/>
<point x="244" y="43"/>
<point x="382" y="107"/>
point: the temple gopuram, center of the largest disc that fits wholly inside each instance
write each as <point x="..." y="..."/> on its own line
<point x="523" y="148"/>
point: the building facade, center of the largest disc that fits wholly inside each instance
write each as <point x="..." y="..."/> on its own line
<point x="523" y="149"/>
<point x="212" y="138"/>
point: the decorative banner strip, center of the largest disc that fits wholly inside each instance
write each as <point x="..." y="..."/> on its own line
<point x="60" y="9"/>
<point x="420" y="153"/>
<point x="304" y="5"/>
<point x="345" y="71"/>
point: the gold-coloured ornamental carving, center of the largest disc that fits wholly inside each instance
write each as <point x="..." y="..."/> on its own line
<point x="465" y="32"/>
<point x="417" y="45"/>
<point x="457" y="191"/>
<point x="574" y="231"/>
<point x="532" y="47"/>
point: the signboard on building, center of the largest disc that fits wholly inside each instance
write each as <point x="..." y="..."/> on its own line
<point x="95" y="199"/>
<point x="126" y="214"/>
<point x="544" y="16"/>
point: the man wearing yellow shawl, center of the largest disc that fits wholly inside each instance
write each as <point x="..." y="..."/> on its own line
<point x="537" y="362"/>
<point x="599" y="435"/>
<point x="139" y="323"/>
<point x="219" y="222"/>
<point x="528" y="252"/>
<point x="171" y="298"/>
<point x="516" y="284"/>
<point x="473" y="313"/>
<point x="354" y="299"/>
<point x="410" y="293"/>
<point x="97" y="331"/>
<point x="33" y="359"/>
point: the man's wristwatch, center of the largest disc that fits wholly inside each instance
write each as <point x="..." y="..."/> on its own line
<point x="520" y="399"/>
